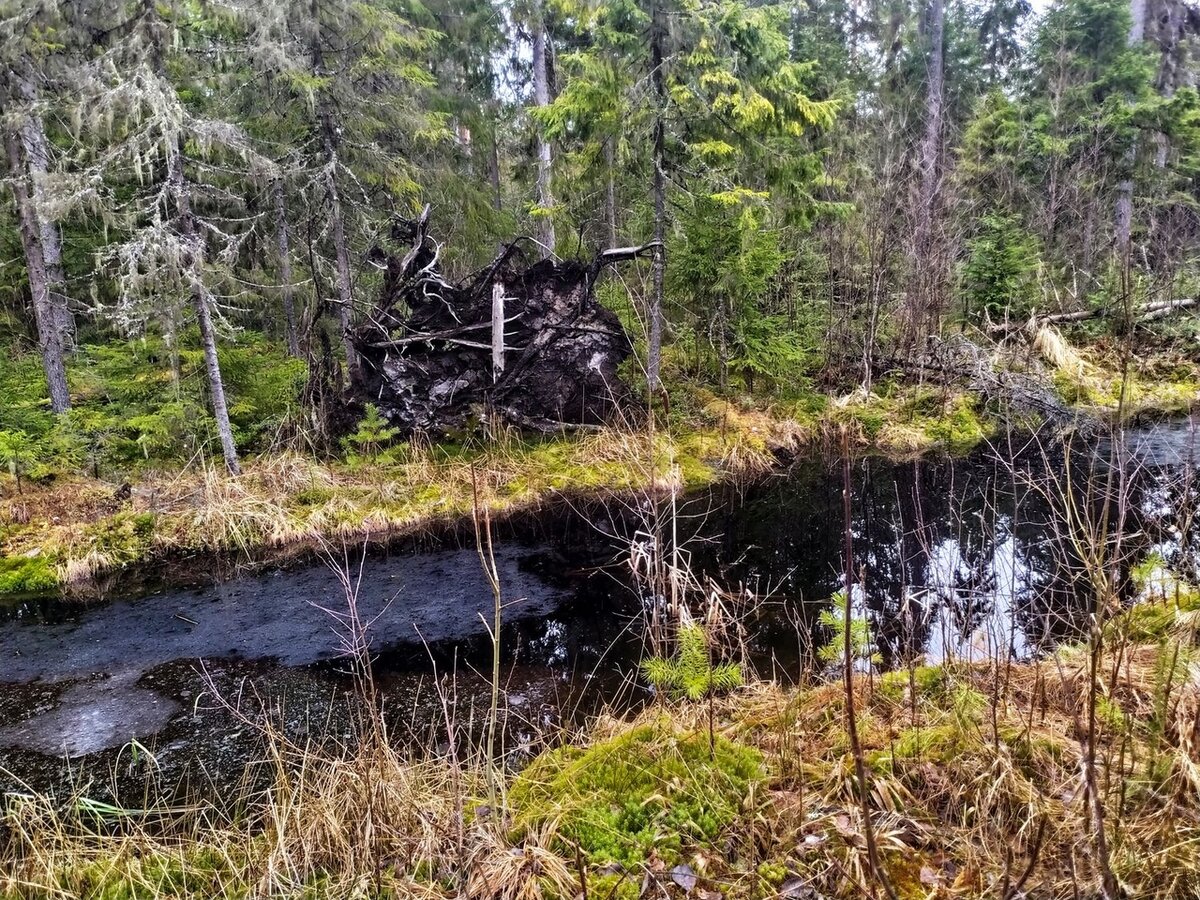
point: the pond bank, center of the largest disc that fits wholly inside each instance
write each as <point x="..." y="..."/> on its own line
<point x="89" y="537"/>
<point x="958" y="558"/>
<point x="75" y="534"/>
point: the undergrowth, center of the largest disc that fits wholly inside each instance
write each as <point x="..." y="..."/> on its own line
<point x="975" y="785"/>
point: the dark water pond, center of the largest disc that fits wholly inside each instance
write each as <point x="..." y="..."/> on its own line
<point x="958" y="558"/>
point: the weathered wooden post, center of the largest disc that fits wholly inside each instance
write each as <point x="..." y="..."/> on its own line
<point x="497" y="330"/>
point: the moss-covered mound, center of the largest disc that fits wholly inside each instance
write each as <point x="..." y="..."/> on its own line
<point x="650" y="791"/>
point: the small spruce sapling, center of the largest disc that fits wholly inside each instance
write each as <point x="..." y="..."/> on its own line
<point x="834" y="619"/>
<point x="691" y="673"/>
<point x="16" y="454"/>
<point x="372" y="435"/>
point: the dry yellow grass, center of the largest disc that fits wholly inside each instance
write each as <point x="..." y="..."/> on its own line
<point x="975" y="784"/>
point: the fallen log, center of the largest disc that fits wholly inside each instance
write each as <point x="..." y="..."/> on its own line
<point x="959" y="360"/>
<point x="1153" y="311"/>
<point x="521" y="340"/>
<point x="1146" y="313"/>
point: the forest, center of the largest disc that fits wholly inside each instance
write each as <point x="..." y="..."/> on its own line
<point x="771" y="426"/>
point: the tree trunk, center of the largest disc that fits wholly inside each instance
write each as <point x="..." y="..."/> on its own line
<point x="658" y="268"/>
<point x="921" y="299"/>
<point x="329" y="145"/>
<point x="541" y="98"/>
<point x="50" y="343"/>
<point x="610" y="192"/>
<point x="36" y="149"/>
<point x="285" y="269"/>
<point x="344" y="283"/>
<point x="1169" y="33"/>
<point x="494" y="168"/>
<point x="497" y="330"/>
<point x="208" y="339"/>
<point x="1123" y="214"/>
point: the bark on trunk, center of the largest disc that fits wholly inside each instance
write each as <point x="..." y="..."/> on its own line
<point x="341" y="249"/>
<point x="922" y="292"/>
<point x="285" y="270"/>
<point x="658" y="269"/>
<point x="1123" y="214"/>
<point x="610" y="192"/>
<point x="208" y="339"/>
<point x="541" y="98"/>
<point x="494" y="169"/>
<point x="345" y="290"/>
<point x="50" y="343"/>
<point x="36" y="149"/>
<point x="497" y="331"/>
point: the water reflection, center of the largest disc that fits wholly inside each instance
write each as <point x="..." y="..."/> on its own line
<point x="966" y="559"/>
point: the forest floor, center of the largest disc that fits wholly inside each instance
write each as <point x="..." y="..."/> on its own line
<point x="68" y="530"/>
<point x="977" y="775"/>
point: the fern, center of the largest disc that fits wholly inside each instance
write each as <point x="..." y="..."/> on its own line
<point x="690" y="673"/>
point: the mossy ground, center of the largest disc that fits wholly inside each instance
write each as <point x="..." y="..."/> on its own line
<point x="650" y="791"/>
<point x="1101" y="380"/>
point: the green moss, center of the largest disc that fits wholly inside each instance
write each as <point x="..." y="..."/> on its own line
<point x="1110" y="713"/>
<point x="773" y="874"/>
<point x="27" y="575"/>
<point x="313" y="496"/>
<point x="959" y="426"/>
<point x="651" y="789"/>
<point x="197" y="872"/>
<point x="930" y="683"/>
<point x="123" y="538"/>
<point x="614" y="886"/>
<point x="904" y="873"/>
<point x="935" y="743"/>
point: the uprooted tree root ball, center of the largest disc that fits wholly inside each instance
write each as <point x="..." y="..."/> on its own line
<point x="523" y="342"/>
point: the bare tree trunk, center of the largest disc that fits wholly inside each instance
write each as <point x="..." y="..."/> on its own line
<point x="541" y="98"/>
<point x="36" y="149"/>
<point x="658" y="269"/>
<point x="50" y="343"/>
<point x="285" y="269"/>
<point x="610" y="192"/>
<point x="494" y="169"/>
<point x="329" y="144"/>
<point x="344" y="284"/>
<point x="208" y="339"/>
<point x="921" y="292"/>
<point x="1123" y="214"/>
<point x="497" y="330"/>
